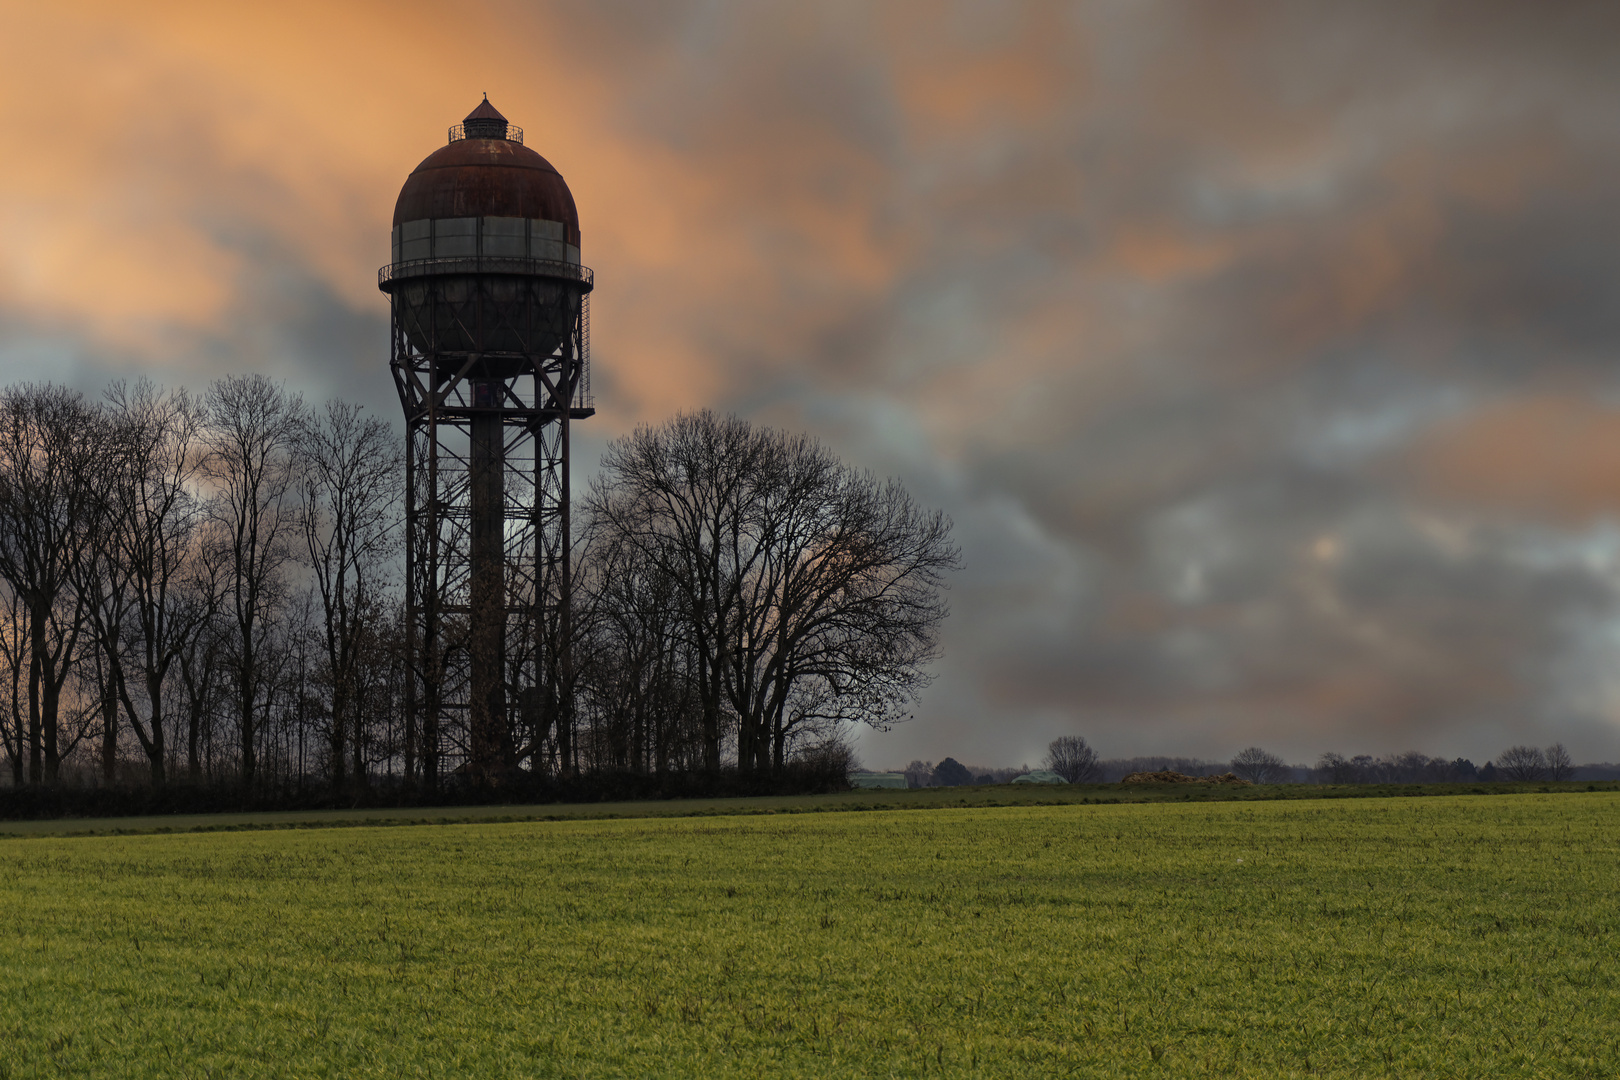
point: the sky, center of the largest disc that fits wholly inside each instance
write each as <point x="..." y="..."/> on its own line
<point x="1265" y="355"/>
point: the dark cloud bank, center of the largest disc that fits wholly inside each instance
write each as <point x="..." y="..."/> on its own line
<point x="1265" y="354"/>
<point x="1195" y="319"/>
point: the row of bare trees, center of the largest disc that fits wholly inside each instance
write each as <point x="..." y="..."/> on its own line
<point x="209" y="587"/>
<point x="150" y="554"/>
<point x="1529" y="763"/>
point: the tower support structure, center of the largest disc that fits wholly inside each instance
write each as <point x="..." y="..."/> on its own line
<point x="488" y="605"/>
<point x="490" y="345"/>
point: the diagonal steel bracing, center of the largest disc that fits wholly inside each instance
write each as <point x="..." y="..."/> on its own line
<point x="491" y="369"/>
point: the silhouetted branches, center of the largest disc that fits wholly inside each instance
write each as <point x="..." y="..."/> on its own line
<point x="1260" y="766"/>
<point x="210" y="587"/>
<point x="1072" y="759"/>
<point x="1522" y="763"/>
<point x="805" y="594"/>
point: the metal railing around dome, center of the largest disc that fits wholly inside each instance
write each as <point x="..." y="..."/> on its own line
<point x="513" y="133"/>
<point x="488" y="264"/>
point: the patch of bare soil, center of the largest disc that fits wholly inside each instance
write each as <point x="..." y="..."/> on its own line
<point x="1168" y="777"/>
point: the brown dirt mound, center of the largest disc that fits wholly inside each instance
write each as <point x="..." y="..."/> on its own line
<point x="1168" y="777"/>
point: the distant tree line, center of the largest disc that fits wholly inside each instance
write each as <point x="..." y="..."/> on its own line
<point x="207" y="589"/>
<point x="1517" y="763"/>
<point x="1077" y="762"/>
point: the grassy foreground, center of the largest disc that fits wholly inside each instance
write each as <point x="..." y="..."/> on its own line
<point x="1374" y="937"/>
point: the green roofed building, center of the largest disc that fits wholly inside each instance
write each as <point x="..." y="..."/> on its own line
<point x="878" y="780"/>
<point x="1039" y="776"/>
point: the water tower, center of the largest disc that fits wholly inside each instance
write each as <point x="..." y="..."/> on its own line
<point x="490" y="343"/>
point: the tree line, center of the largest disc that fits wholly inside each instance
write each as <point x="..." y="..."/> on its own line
<point x="1071" y="757"/>
<point x="208" y="588"/>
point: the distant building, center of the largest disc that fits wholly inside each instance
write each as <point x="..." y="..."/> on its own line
<point x="878" y="780"/>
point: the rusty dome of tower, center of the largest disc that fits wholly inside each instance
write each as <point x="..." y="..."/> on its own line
<point x="486" y="171"/>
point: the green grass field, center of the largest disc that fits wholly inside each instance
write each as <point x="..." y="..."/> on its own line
<point x="1373" y="937"/>
<point x="891" y="799"/>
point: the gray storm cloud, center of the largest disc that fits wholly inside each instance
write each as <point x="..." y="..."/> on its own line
<point x="1263" y="352"/>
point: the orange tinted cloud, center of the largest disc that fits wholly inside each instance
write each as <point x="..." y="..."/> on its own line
<point x="1160" y="255"/>
<point x="210" y="140"/>
<point x="1548" y="456"/>
<point x="199" y="137"/>
<point x="996" y="67"/>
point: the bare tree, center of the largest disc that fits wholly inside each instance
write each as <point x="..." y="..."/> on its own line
<point x="1260" y="766"/>
<point x="155" y="554"/>
<point x="380" y="688"/>
<point x="14" y="652"/>
<point x="681" y="496"/>
<point x="201" y="668"/>
<point x="253" y="430"/>
<point x="831" y="756"/>
<point x="634" y="662"/>
<point x="1522" y="763"/>
<point x="1072" y="759"/>
<point x="788" y="569"/>
<point x="1559" y="765"/>
<point x="842" y="617"/>
<point x="102" y="581"/>
<point x="48" y="511"/>
<point x="350" y="500"/>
